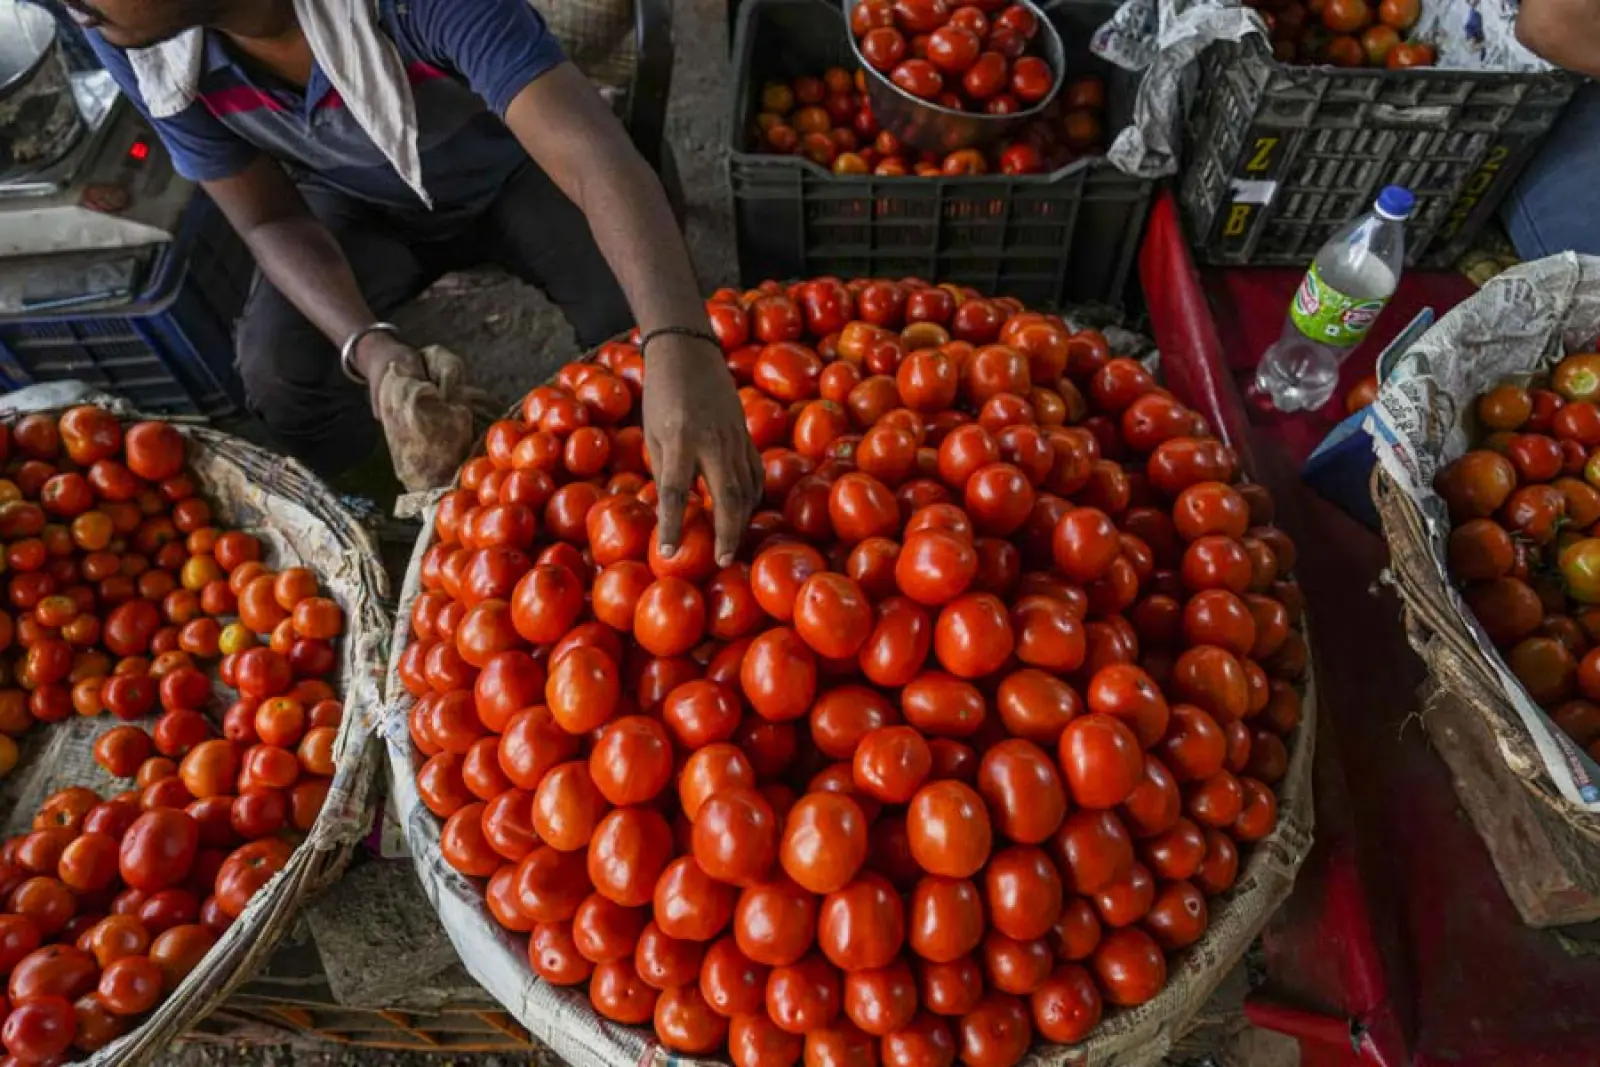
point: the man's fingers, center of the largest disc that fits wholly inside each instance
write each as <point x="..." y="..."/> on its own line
<point x="674" y="470"/>
<point x="733" y="493"/>
<point x="758" y="473"/>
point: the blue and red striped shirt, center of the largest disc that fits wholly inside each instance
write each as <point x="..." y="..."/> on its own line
<point x="466" y="60"/>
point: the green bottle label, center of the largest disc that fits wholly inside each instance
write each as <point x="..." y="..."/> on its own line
<point x="1324" y="314"/>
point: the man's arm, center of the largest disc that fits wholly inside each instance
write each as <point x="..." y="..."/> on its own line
<point x="570" y="132"/>
<point x="692" y="417"/>
<point x="302" y="260"/>
<point x="1564" y="32"/>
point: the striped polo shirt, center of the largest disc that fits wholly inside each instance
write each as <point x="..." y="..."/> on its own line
<point x="466" y="61"/>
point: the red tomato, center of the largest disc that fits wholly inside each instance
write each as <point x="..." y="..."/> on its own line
<point x="158" y="849"/>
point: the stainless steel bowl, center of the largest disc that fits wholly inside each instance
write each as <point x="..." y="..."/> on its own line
<point x="39" y="119"/>
<point x="931" y="127"/>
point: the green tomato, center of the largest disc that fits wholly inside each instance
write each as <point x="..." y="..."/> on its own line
<point x="1580" y="569"/>
<point x="1578" y="377"/>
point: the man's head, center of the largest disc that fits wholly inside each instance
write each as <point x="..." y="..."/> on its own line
<point x="141" y="23"/>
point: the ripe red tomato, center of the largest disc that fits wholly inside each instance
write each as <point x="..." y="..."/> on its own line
<point x="949" y="829"/>
<point x="154" y="450"/>
<point x="40" y="1030"/>
<point x="735" y="836"/>
<point x="986" y="77"/>
<point x="158" y="849"/>
<point x="824" y="842"/>
<point x="779" y="675"/>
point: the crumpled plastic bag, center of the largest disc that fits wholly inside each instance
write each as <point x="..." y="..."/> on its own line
<point x="429" y="422"/>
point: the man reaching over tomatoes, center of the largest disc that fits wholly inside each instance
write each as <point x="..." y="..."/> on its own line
<point x="362" y="149"/>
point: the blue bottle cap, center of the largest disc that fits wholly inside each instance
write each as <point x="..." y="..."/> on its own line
<point x="1396" y="202"/>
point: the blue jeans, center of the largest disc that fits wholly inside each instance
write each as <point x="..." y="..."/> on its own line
<point x="1555" y="206"/>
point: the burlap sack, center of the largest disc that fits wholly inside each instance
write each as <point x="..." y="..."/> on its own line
<point x="598" y="36"/>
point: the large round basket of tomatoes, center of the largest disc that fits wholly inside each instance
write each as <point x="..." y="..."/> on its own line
<point x="1501" y="581"/>
<point x="190" y="640"/>
<point x="993" y="739"/>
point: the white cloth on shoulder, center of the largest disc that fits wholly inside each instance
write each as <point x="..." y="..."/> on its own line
<point x="350" y="46"/>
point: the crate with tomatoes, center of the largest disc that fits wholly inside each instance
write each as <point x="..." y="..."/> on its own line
<point x="824" y="181"/>
<point x="1291" y="132"/>
<point x="184" y="704"/>
<point x="993" y="737"/>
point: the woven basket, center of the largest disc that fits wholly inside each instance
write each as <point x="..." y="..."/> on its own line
<point x="1440" y="636"/>
<point x="299" y="520"/>
<point x="564" y="1020"/>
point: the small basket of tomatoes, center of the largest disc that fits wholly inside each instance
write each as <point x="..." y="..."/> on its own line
<point x="1492" y="514"/>
<point x="1288" y="136"/>
<point x="825" y="180"/>
<point x="994" y="738"/>
<point x="189" y="655"/>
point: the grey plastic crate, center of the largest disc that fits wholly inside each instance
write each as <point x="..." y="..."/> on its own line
<point x="170" y="349"/>
<point x="1049" y="239"/>
<point x="1280" y="156"/>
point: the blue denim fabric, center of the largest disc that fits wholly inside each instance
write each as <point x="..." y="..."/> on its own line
<point x="1555" y="206"/>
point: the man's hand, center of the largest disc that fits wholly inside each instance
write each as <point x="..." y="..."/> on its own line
<point x="380" y="353"/>
<point x="692" y="417"/>
<point x="693" y="422"/>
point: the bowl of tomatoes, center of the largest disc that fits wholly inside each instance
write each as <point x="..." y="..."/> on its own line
<point x="944" y="76"/>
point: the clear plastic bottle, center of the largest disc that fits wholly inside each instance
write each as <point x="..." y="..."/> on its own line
<point x="1350" y="280"/>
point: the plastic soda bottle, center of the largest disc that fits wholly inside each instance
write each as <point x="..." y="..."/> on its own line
<point x="1350" y="280"/>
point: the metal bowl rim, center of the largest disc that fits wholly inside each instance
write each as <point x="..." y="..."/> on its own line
<point x="27" y="71"/>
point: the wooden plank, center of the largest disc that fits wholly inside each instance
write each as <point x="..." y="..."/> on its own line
<point x="1550" y="871"/>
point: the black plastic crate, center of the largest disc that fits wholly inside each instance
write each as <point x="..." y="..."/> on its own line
<point x="1050" y="240"/>
<point x="1279" y="156"/>
<point x="170" y="350"/>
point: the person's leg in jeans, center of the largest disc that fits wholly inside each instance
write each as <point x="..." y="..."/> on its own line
<point x="535" y="232"/>
<point x="290" y="371"/>
<point x="1555" y="206"/>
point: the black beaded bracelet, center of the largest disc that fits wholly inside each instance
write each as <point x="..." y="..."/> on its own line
<point x="677" y="331"/>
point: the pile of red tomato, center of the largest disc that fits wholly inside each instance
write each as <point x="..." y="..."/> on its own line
<point x="959" y="57"/>
<point x="1524" y="505"/>
<point x="829" y="121"/>
<point x="118" y="584"/>
<point x="1345" y="33"/>
<point x="993" y="697"/>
